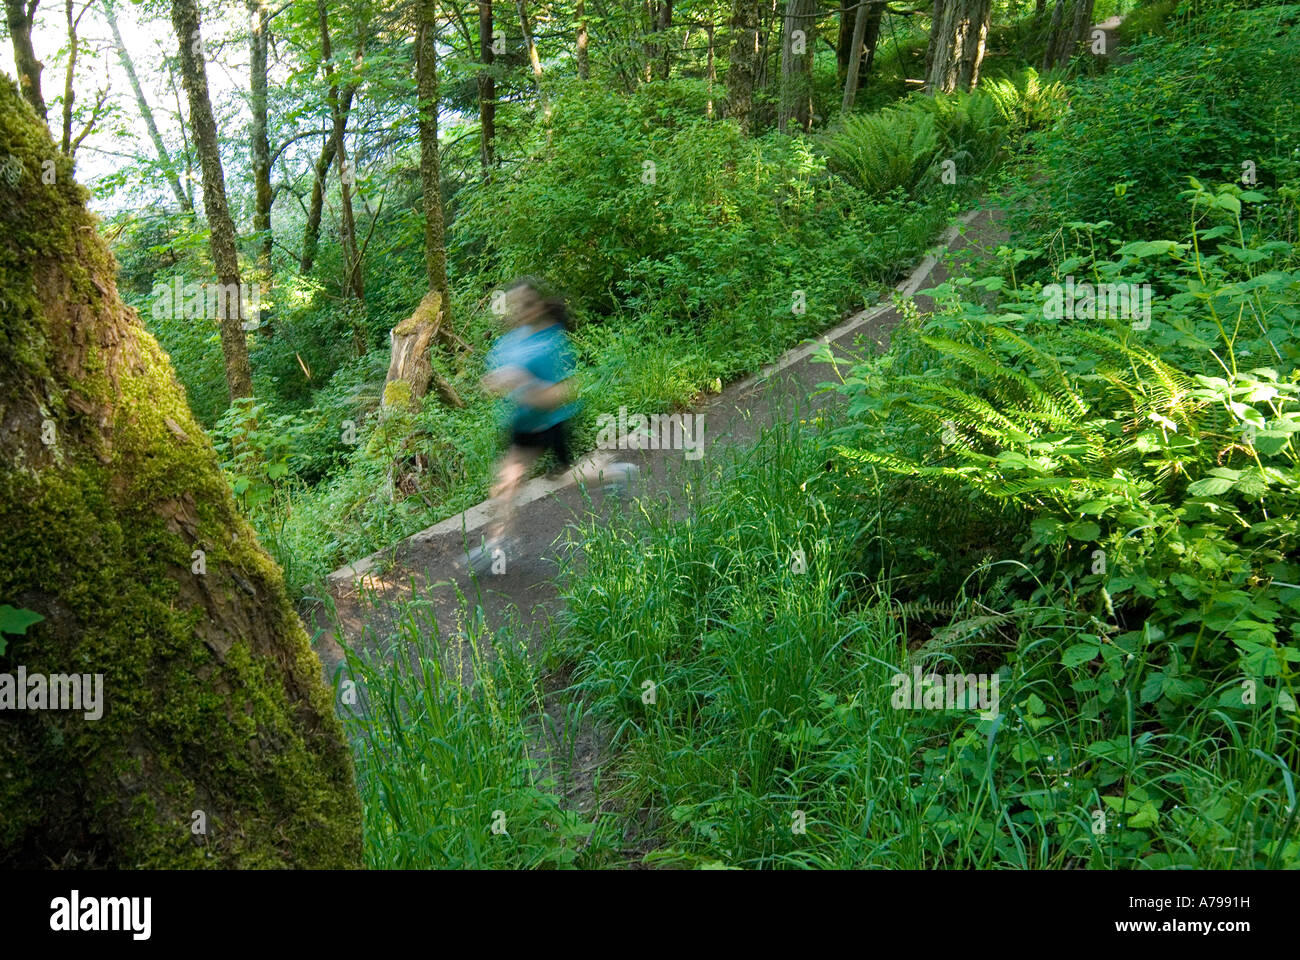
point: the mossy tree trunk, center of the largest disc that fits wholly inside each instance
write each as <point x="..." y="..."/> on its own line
<point x="410" y="369"/>
<point x="221" y="229"/>
<point x="21" y="16"/>
<point x="218" y="743"/>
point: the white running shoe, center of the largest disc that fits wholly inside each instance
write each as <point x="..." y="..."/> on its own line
<point x="619" y="478"/>
<point x="481" y="558"/>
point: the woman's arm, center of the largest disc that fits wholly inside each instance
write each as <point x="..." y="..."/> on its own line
<point x="552" y="396"/>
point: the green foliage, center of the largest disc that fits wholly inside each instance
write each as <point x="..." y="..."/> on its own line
<point x="448" y="771"/>
<point x="255" y="449"/>
<point x="744" y="690"/>
<point x="1156" y="465"/>
<point x="902" y="147"/>
<point x="15" y="621"/>
<point x="1027" y="100"/>
<point x="1133" y="136"/>
<point x="895" y="149"/>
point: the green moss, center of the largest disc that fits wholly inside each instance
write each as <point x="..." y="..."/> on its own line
<point x="214" y="699"/>
<point x="425" y="314"/>
<point x="397" y="393"/>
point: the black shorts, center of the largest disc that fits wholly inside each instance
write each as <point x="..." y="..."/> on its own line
<point x="555" y="439"/>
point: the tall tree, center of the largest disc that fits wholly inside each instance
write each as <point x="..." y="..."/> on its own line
<point x="316" y="208"/>
<point x="221" y="229"/>
<point x="958" y="36"/>
<point x="164" y="157"/>
<point x="852" y="68"/>
<point x="743" y="60"/>
<point x="871" y="39"/>
<point x="212" y="739"/>
<point x="797" y="45"/>
<point x="259" y="44"/>
<point x="1070" y="22"/>
<point x="710" y="69"/>
<point x="426" y="67"/>
<point x="580" y="18"/>
<point x="534" y="60"/>
<point x="22" y="17"/>
<point x="353" y="286"/>
<point x="70" y="143"/>
<point x="663" y="22"/>
<point x="487" y="93"/>
<point x="410" y="369"/>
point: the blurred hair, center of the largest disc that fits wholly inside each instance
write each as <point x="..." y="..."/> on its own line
<point x="553" y="306"/>
<point x="555" y="310"/>
<point x="535" y="284"/>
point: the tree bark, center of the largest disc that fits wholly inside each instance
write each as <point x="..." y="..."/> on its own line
<point x="316" y="209"/>
<point x="414" y="338"/>
<point x="259" y="43"/>
<point x="435" y="252"/>
<point x="844" y="39"/>
<point x="957" y="41"/>
<point x="851" y="69"/>
<point x="353" y="285"/>
<point x="194" y="76"/>
<point x="1070" y="22"/>
<point x="662" y="26"/>
<point x="21" y="19"/>
<point x="530" y="44"/>
<point x="164" y="158"/>
<point x="69" y="91"/>
<point x="710" y="70"/>
<point x="70" y="143"/>
<point x="487" y="94"/>
<point x="216" y="743"/>
<point x="871" y="40"/>
<point x="796" y="66"/>
<point x="742" y="61"/>
<point x="584" y="69"/>
<point x="867" y="42"/>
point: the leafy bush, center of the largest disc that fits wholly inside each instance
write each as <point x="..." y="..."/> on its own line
<point x="1026" y="100"/>
<point x="1203" y="101"/>
<point x="895" y="149"/>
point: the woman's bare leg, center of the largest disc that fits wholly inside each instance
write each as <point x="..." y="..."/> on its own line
<point x="514" y="467"/>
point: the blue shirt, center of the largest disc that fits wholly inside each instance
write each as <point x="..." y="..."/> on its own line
<point x="546" y="354"/>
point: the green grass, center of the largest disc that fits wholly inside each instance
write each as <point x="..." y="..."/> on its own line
<point x="772" y="697"/>
<point x="452" y="748"/>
